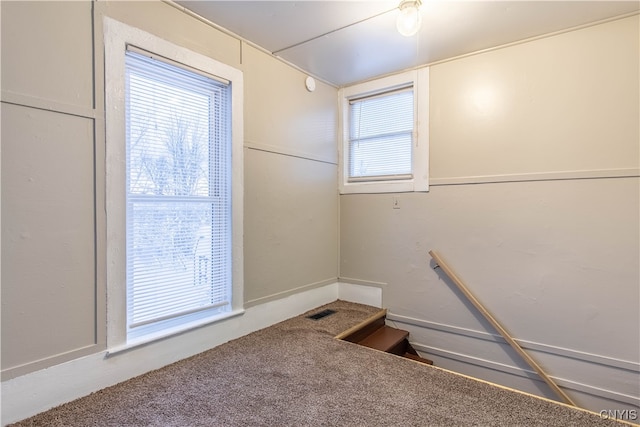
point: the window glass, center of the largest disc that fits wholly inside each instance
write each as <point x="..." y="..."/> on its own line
<point x="381" y="136"/>
<point x="178" y="195"/>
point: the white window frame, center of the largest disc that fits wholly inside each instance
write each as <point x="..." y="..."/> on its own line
<point x="419" y="181"/>
<point x="117" y="36"/>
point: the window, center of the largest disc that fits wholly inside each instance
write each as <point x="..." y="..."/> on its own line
<point x="178" y="194"/>
<point x="174" y="202"/>
<point x="381" y="136"/>
<point x="385" y="137"/>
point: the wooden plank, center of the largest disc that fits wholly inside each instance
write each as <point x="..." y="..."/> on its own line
<point x="380" y="314"/>
<point x="463" y="288"/>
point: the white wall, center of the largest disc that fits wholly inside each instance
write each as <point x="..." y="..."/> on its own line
<point x="534" y="201"/>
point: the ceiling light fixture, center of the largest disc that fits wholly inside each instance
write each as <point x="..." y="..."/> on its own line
<point x="409" y="19"/>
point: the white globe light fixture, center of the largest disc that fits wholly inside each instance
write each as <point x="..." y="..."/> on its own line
<point x="409" y="19"/>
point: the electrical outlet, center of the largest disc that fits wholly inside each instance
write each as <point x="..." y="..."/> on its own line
<point x="396" y="202"/>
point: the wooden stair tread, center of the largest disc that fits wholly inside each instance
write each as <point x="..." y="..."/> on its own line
<point x="374" y="333"/>
<point x="384" y="338"/>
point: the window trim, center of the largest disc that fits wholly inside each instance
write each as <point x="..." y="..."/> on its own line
<point x="116" y="38"/>
<point x="419" y="79"/>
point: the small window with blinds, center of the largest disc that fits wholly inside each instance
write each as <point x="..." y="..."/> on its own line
<point x="384" y="133"/>
<point x="178" y="194"/>
<point x="381" y="129"/>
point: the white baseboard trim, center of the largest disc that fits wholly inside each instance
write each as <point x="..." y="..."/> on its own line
<point x="32" y="393"/>
<point x="608" y="362"/>
<point x="527" y="345"/>
<point x="280" y="295"/>
<point x="529" y="374"/>
<point x="363" y="293"/>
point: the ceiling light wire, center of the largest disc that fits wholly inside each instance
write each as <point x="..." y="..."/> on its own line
<point x="275" y="52"/>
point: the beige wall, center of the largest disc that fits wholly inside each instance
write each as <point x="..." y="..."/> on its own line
<point x="48" y="247"/>
<point x="291" y="202"/>
<point x="53" y="173"/>
<point x="560" y="104"/>
<point x="535" y="203"/>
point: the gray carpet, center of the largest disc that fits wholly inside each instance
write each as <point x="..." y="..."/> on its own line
<point x="295" y="374"/>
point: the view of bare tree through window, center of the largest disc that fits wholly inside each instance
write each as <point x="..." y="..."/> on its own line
<point x="174" y="167"/>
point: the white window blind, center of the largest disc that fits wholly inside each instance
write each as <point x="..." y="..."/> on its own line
<point x="381" y="136"/>
<point x="178" y="195"/>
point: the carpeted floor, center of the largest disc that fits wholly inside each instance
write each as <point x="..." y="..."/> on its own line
<point x="296" y="374"/>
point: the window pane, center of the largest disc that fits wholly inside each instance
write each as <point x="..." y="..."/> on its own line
<point x="386" y="155"/>
<point x="169" y="151"/>
<point x="176" y="264"/>
<point x="382" y="114"/>
<point x="169" y="128"/>
<point x="381" y="135"/>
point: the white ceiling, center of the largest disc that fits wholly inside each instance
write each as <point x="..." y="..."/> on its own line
<point x="343" y="42"/>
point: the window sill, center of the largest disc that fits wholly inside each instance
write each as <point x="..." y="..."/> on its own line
<point x="158" y="336"/>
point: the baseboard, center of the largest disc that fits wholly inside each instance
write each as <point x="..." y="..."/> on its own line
<point x="32" y="393"/>
<point x="527" y="345"/>
<point x="599" y="396"/>
<point x="605" y="394"/>
<point x="361" y="292"/>
<point x="280" y="295"/>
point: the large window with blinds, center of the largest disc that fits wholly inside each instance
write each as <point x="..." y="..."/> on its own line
<point x="385" y="135"/>
<point x="174" y="187"/>
<point x="178" y="193"/>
